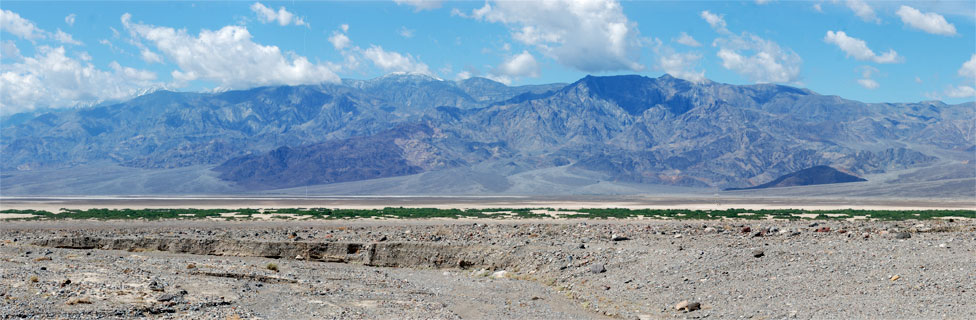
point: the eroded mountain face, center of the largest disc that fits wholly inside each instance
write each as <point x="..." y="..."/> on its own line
<point x="629" y="128"/>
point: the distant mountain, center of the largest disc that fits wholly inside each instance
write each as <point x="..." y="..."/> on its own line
<point x="623" y="129"/>
<point x="807" y="177"/>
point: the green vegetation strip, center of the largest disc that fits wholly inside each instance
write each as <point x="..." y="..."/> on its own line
<point x="497" y="213"/>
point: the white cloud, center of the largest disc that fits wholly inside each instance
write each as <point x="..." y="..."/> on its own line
<point x="282" y="16"/>
<point x="404" y="32"/>
<point x="687" y="40"/>
<point x="968" y="72"/>
<point x="25" y="29"/>
<point x="858" y="49"/>
<point x="465" y="74"/>
<point x="520" y="65"/>
<point x="229" y="57"/>
<point x="929" y="22"/>
<point x="968" y="69"/>
<point x="679" y="65"/>
<point x="716" y="21"/>
<point x="64" y="37"/>
<point x="391" y="61"/>
<point x="869" y="84"/>
<point x="339" y="40"/>
<point x="52" y="79"/>
<point x="70" y="19"/>
<point x="817" y="8"/>
<point x="762" y="2"/>
<point x="419" y="5"/>
<point x="866" y="81"/>
<point x="591" y="36"/>
<point x="918" y="80"/>
<point x="961" y="92"/>
<point x="767" y="63"/>
<point x="863" y="10"/>
<point x="149" y="56"/>
<point x="9" y="50"/>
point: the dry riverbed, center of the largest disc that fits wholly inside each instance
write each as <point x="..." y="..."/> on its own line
<point x="486" y="269"/>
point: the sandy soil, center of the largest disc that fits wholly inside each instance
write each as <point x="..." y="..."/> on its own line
<point x="478" y="269"/>
<point x="368" y="202"/>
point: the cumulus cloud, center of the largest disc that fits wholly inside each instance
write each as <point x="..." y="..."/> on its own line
<point x="866" y="81"/>
<point x="391" y="61"/>
<point x="520" y="65"/>
<point x="14" y="24"/>
<point x="9" y="50"/>
<point x="968" y="73"/>
<point x="679" y="64"/>
<point x="388" y="61"/>
<point x="420" y="5"/>
<point x="858" y="49"/>
<point x="716" y="21"/>
<point x="968" y="69"/>
<point x="687" y="40"/>
<point x="52" y="79"/>
<point x="282" y="16"/>
<point x="70" y="19"/>
<point x="863" y="10"/>
<point x="404" y="32"/>
<point x="339" y="40"/>
<point x="760" y="60"/>
<point x="591" y="36"/>
<point x="929" y="22"/>
<point x="229" y="57"/>
<point x="64" y="37"/>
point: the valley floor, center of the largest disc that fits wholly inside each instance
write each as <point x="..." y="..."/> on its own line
<point x="488" y="269"/>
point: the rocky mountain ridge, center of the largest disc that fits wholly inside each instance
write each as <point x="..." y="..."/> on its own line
<point x="663" y="131"/>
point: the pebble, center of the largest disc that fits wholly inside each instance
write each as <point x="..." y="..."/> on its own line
<point x="598" y="268"/>
<point x="687" y="306"/>
<point x="619" y="238"/>
<point x="758" y="253"/>
<point x="903" y="235"/>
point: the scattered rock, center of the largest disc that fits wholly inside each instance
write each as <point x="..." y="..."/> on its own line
<point x="746" y="229"/>
<point x="822" y="229"/>
<point x="78" y="301"/>
<point x="758" y="253"/>
<point x="687" y="306"/>
<point x="895" y="277"/>
<point x="155" y="286"/>
<point x="598" y="268"/>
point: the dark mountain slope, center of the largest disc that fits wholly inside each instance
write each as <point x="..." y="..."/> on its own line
<point x="806" y="177"/>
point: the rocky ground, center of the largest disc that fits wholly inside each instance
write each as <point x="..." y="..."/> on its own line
<point x="471" y="269"/>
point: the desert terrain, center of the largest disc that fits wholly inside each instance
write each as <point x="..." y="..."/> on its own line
<point x="488" y="269"/>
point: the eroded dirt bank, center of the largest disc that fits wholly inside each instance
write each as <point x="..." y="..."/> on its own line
<point x="448" y="269"/>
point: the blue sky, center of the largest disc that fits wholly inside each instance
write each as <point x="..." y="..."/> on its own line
<point x="59" y="54"/>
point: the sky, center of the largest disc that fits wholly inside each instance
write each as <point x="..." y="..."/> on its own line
<point x="76" y="53"/>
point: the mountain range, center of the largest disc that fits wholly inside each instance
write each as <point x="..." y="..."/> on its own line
<point x="596" y="135"/>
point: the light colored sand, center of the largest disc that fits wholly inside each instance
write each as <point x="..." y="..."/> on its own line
<point x="648" y="202"/>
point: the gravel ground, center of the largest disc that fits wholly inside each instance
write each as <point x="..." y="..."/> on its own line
<point x="529" y="269"/>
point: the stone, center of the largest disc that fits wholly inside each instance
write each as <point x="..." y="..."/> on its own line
<point x="746" y="229"/>
<point x="710" y="230"/>
<point x="598" y="268"/>
<point x="687" y="306"/>
<point x="155" y="286"/>
<point x="619" y="238"/>
<point x="895" y="277"/>
<point x="758" y="253"/>
<point x="499" y="274"/>
<point x="903" y="235"/>
<point x="681" y="305"/>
